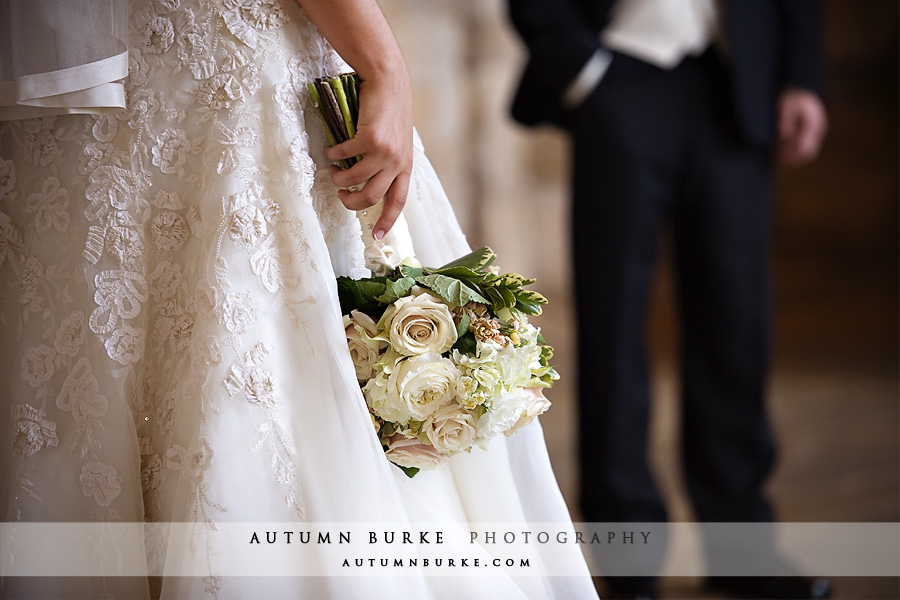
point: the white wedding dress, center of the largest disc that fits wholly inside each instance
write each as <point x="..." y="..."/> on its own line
<point x="171" y="345"/>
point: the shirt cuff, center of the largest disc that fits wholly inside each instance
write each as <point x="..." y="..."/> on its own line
<point x="587" y="79"/>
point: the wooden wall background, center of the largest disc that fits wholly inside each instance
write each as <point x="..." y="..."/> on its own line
<point x="836" y="258"/>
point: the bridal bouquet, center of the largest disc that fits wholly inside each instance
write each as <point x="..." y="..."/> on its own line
<point x="445" y="357"/>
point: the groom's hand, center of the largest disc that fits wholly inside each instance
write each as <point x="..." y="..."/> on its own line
<point x="802" y="125"/>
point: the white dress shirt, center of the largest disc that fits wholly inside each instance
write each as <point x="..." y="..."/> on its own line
<point x="660" y="32"/>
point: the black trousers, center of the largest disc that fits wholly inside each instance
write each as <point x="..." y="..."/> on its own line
<point x="652" y="148"/>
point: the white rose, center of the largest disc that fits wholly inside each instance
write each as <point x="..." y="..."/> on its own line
<point x="451" y="429"/>
<point x="539" y="405"/>
<point x="412" y="388"/>
<point x="503" y="413"/>
<point x="364" y="351"/>
<point x="380" y="258"/>
<point x="413" y="454"/>
<point x="418" y="325"/>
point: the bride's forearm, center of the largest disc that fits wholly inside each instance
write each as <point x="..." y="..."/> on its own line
<point x="384" y="132"/>
<point x="360" y="34"/>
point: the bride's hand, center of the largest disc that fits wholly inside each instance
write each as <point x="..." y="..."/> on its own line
<point x="384" y="135"/>
<point x="384" y="139"/>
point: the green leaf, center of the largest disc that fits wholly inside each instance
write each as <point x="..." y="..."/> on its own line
<point x="360" y="295"/>
<point x="452" y="290"/>
<point x="495" y="299"/>
<point x="466" y="343"/>
<point x="463" y="326"/>
<point x="409" y="471"/>
<point x="528" y="308"/>
<point x="394" y="290"/>
<point x="477" y="260"/>
<point x="410" y="271"/>
<point x="509" y="299"/>
<point x="531" y="297"/>
<point x="347" y="294"/>
<point x="460" y="273"/>
<point x="546" y="352"/>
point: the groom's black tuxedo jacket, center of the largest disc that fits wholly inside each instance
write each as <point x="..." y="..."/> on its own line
<point x="772" y="44"/>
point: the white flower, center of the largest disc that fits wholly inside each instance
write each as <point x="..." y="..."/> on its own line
<point x="180" y="336"/>
<point x="244" y="17"/>
<point x="50" y="206"/>
<point x="239" y="312"/>
<point x="152" y="473"/>
<point x="125" y="244"/>
<point x="40" y="144"/>
<point x="31" y="430"/>
<point x="247" y="225"/>
<point x="169" y="152"/>
<point x="175" y="457"/>
<point x="502" y="413"/>
<point x="142" y="106"/>
<point x="539" y="405"/>
<point x="167" y="6"/>
<point x="220" y="92"/>
<point x="157" y="35"/>
<point x="167" y="200"/>
<point x="259" y="387"/>
<point x="364" y="351"/>
<point x="194" y="50"/>
<point x="7" y="177"/>
<point x="93" y="155"/>
<point x="70" y="334"/>
<point x="119" y="296"/>
<point x="138" y="70"/>
<point x="415" y="388"/>
<point x="206" y="297"/>
<point x="413" y="454"/>
<point x="418" y="325"/>
<point x="37" y="365"/>
<point x="169" y="231"/>
<point x="105" y="128"/>
<point x="165" y="414"/>
<point x="126" y="344"/>
<point x="100" y="481"/>
<point x="32" y="275"/>
<point x="198" y="461"/>
<point x="381" y="258"/>
<point x="250" y="78"/>
<point x="165" y="280"/>
<point x="110" y="186"/>
<point x="451" y="429"/>
<point x="79" y="393"/>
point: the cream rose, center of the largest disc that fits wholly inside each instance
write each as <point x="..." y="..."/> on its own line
<point x="539" y="405"/>
<point x="419" y="325"/>
<point x="364" y="351"/>
<point x="412" y="388"/>
<point x="451" y="429"/>
<point x="413" y="454"/>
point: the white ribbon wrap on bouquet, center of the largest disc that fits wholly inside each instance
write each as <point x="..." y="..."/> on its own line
<point x="384" y="255"/>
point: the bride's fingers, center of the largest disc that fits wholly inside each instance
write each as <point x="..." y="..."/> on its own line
<point x="373" y="191"/>
<point x="358" y="174"/>
<point x="352" y="147"/>
<point x="393" y="205"/>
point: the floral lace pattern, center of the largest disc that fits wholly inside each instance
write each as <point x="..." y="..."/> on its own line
<point x="140" y="252"/>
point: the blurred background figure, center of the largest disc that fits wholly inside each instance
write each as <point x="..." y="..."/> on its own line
<point x="675" y="109"/>
<point x="833" y="394"/>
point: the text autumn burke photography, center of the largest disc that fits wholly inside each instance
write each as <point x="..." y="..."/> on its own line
<point x="437" y="537"/>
